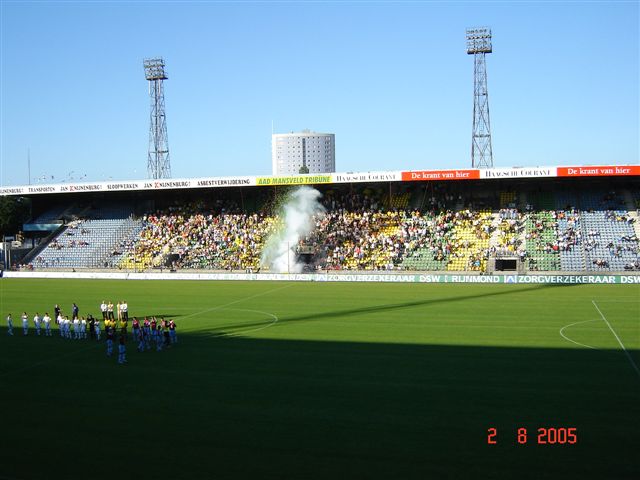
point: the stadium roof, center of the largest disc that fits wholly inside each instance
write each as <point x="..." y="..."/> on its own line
<point x="329" y="178"/>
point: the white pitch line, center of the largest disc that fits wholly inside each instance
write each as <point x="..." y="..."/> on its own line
<point x="573" y="341"/>
<point x="242" y="332"/>
<point x="212" y="309"/>
<point x="633" y="364"/>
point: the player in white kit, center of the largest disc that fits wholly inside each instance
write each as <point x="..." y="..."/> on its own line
<point x="36" y="322"/>
<point x="47" y="325"/>
<point x="60" y="321"/>
<point x="25" y="323"/>
<point x="76" y="328"/>
<point x="9" y="325"/>
<point x="67" y="327"/>
<point x="124" y="311"/>
<point x="83" y="328"/>
<point x="96" y="328"/>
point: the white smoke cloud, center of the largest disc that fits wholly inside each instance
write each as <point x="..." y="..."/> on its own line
<point x="297" y="215"/>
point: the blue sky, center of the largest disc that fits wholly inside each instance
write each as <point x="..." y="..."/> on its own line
<point x="391" y="79"/>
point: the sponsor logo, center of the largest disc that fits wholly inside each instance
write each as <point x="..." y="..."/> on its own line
<point x="223" y="182"/>
<point x="440" y="175"/>
<point x="41" y="189"/>
<point x="171" y="184"/>
<point x="84" y="188"/>
<point x="122" y="186"/>
<point x="601" y="171"/>
<point x="630" y="279"/>
<point x="517" y="172"/>
<point x="366" y="177"/>
<point x="10" y="191"/>
<point x="310" y="180"/>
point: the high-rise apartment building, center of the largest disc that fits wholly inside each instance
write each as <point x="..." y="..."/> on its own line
<point x="304" y="152"/>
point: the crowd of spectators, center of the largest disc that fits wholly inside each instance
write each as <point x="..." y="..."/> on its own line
<point x="619" y="217"/>
<point x="198" y="235"/>
<point x="367" y="229"/>
<point x="572" y="235"/>
<point x="357" y="231"/>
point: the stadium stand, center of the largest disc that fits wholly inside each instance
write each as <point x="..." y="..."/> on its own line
<point x="416" y="228"/>
<point x="611" y="240"/>
<point x="541" y="241"/>
<point x="86" y="242"/>
<point x="572" y="256"/>
<point x="470" y="241"/>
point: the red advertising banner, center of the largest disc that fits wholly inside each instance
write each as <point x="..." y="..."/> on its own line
<point x="440" y="175"/>
<point x="602" y="171"/>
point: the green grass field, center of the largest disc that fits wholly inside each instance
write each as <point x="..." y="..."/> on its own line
<point x="326" y="380"/>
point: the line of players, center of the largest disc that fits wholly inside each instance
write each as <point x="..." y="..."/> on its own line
<point x="39" y="322"/>
<point x="64" y="326"/>
<point x="161" y="333"/>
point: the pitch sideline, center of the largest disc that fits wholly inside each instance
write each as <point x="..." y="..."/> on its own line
<point x="633" y="364"/>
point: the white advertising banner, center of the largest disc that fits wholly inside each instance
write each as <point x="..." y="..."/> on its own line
<point x="366" y="177"/>
<point x="518" y="172"/>
<point x="326" y="178"/>
<point x="131" y="185"/>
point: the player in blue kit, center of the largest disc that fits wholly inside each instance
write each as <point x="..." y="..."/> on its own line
<point x="159" y="338"/>
<point x="154" y="328"/>
<point x="109" y="342"/>
<point x="146" y="331"/>
<point x="136" y="329"/>
<point x="122" y="351"/>
<point x="172" y="332"/>
<point x="140" y="339"/>
<point x="9" y="325"/>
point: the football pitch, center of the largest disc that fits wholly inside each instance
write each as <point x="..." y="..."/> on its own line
<point x="327" y="380"/>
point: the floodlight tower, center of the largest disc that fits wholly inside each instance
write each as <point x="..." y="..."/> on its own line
<point x="158" y="165"/>
<point x="479" y="44"/>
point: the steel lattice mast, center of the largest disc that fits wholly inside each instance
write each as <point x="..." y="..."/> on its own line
<point x="478" y="45"/>
<point x="158" y="165"/>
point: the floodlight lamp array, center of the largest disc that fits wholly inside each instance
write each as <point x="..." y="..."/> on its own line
<point x="154" y="69"/>
<point x="479" y="40"/>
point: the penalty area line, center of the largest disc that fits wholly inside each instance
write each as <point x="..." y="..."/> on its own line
<point x="633" y="364"/>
